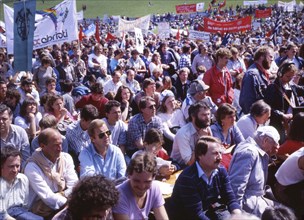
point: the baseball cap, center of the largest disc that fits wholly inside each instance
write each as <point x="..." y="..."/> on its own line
<point x="197" y="86"/>
<point x="269" y="131"/>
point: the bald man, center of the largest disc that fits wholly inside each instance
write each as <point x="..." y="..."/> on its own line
<point x="51" y="175"/>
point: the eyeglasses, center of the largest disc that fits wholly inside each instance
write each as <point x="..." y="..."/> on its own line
<point x="102" y="134"/>
<point x="151" y="106"/>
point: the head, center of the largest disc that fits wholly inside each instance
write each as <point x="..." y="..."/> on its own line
<point x="291" y="50"/>
<point x="92" y="197"/>
<point x="27" y="85"/>
<point x="183" y="74"/>
<point x="88" y="113"/>
<point x="48" y="121"/>
<point x="116" y="76"/>
<point x="153" y="141"/>
<point x="202" y="48"/>
<point x="186" y="49"/>
<point x="149" y="86"/>
<point x="155" y="58"/>
<point x="124" y="93"/>
<point x="67" y="86"/>
<point x="29" y="105"/>
<point x="135" y="54"/>
<point x="118" y="54"/>
<point x="99" y="133"/>
<point x="97" y="91"/>
<point x="50" y="84"/>
<point x="10" y="162"/>
<point x="267" y="137"/>
<point x="222" y="56"/>
<point x="98" y="49"/>
<point x="65" y="59"/>
<point x="6" y="116"/>
<point x="168" y="101"/>
<point x="286" y="72"/>
<point x="147" y="106"/>
<point x="167" y="82"/>
<point x="113" y="111"/>
<point x="198" y="89"/>
<point x="199" y="114"/>
<point x="208" y="152"/>
<point x="157" y="72"/>
<point x="260" y="111"/>
<point x="12" y="98"/>
<point x="50" y="142"/>
<point x="264" y="56"/>
<point x="46" y="61"/>
<point x="130" y="74"/>
<point x="226" y="115"/>
<point x="3" y="89"/>
<point x="296" y="131"/>
<point x="55" y="103"/>
<point x="141" y="172"/>
<point x="278" y="213"/>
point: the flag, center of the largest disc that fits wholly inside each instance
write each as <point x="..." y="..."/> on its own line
<point x="222" y="4"/>
<point x="177" y="35"/>
<point x="97" y="35"/>
<point x="24" y="20"/>
<point x="110" y="37"/>
<point x="80" y="33"/>
<point x="139" y="40"/>
<point x="123" y="42"/>
<point x="276" y="29"/>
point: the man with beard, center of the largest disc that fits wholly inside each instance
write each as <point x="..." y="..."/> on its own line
<point x="27" y="90"/>
<point x="256" y="78"/>
<point x="187" y="136"/>
<point x="203" y="190"/>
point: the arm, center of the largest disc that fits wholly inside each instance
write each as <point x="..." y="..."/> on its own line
<point x="121" y="165"/>
<point x="25" y="146"/>
<point x="86" y="163"/>
<point x="160" y="213"/>
<point x="70" y="175"/>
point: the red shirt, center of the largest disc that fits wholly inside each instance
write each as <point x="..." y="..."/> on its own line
<point x="100" y="104"/>
<point x="290" y="146"/>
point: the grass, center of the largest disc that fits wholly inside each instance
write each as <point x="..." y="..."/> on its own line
<point x="131" y="8"/>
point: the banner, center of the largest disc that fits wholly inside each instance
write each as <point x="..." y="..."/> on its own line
<point x="164" y="30"/>
<point x="52" y="26"/>
<point x="141" y="23"/>
<point x="213" y="26"/>
<point x="189" y="8"/>
<point x="79" y="15"/>
<point x="91" y="29"/>
<point x="2" y="41"/>
<point x="263" y="13"/>
<point x="287" y="6"/>
<point x="199" y="35"/>
<point x="139" y="40"/>
<point x="24" y="17"/>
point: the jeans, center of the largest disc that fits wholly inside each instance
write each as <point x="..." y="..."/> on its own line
<point x="21" y="213"/>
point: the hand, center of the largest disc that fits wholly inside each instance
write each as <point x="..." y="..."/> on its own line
<point x="63" y="112"/>
<point x="166" y="170"/>
<point x="31" y="116"/>
<point x="287" y="117"/>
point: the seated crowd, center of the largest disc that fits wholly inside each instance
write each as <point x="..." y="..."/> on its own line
<point x="85" y="136"/>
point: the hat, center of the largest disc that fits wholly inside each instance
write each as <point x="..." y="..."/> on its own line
<point x="166" y="93"/>
<point x="270" y="132"/>
<point x="197" y="86"/>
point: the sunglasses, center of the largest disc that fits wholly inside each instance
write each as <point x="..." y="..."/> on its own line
<point x="102" y="134"/>
<point x="152" y="106"/>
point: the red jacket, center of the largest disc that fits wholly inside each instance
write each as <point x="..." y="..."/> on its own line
<point x="100" y="104"/>
<point x="214" y="78"/>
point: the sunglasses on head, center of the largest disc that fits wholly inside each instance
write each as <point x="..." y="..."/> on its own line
<point x="102" y="134"/>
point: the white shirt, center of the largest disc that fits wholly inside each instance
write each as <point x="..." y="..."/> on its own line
<point x="110" y="86"/>
<point x="101" y="59"/>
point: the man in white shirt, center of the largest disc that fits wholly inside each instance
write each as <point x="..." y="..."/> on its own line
<point x="51" y="175"/>
<point x="98" y="62"/>
<point x="114" y="84"/>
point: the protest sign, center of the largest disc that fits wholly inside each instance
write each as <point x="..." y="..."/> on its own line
<point x="212" y="26"/>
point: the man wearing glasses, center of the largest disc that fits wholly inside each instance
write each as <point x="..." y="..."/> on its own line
<point x="101" y="157"/>
<point x="141" y="123"/>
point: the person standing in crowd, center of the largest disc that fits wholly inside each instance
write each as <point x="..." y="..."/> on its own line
<point x="249" y="169"/>
<point x="236" y="64"/>
<point x="185" y="58"/>
<point x="292" y="56"/>
<point x="219" y="79"/>
<point x="140" y="194"/>
<point x="256" y="78"/>
<point x="97" y="62"/>
<point x="182" y="84"/>
<point x="202" y="58"/>
<point x="66" y="70"/>
<point x="79" y="65"/>
<point x="27" y="89"/>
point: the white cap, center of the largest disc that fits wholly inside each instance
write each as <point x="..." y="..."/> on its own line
<point x="269" y="131"/>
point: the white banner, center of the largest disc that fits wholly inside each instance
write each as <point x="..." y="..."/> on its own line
<point x="56" y="25"/>
<point x="248" y="3"/>
<point x="141" y="23"/>
<point x="200" y="7"/>
<point x="139" y="39"/>
<point x="80" y="15"/>
<point x="199" y="35"/>
<point x="164" y="30"/>
<point x="288" y="6"/>
<point x="2" y="41"/>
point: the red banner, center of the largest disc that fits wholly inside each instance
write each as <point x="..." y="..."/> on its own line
<point x="182" y="9"/>
<point x="242" y="24"/>
<point x="263" y="13"/>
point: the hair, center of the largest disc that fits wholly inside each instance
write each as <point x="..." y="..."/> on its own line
<point x="89" y="112"/>
<point x="110" y="95"/>
<point x="110" y="104"/>
<point x="26" y="81"/>
<point x="200" y="46"/>
<point x="119" y="92"/>
<point x="157" y="69"/>
<point x="147" y="82"/>
<point x="296" y="131"/>
<point x="238" y="80"/>
<point x="234" y="50"/>
<point x="167" y="79"/>
<point x="261" y="51"/>
<point x="201" y="146"/>
<point x="44" y="98"/>
<point x="67" y="86"/>
<point x="142" y="162"/>
<point x="278" y="213"/>
<point x="97" y="88"/>
<point x="27" y="102"/>
<point x="96" y="123"/>
<point x="186" y="48"/>
<point x="222" y="52"/>
<point x="45" y="60"/>
<point x="48" y="121"/>
<point x="153" y="135"/>
<point x="8" y="151"/>
<point x="290" y="45"/>
<point x="195" y="108"/>
<point x="92" y="193"/>
<point x="163" y="107"/>
<point x="4" y="108"/>
<point x="259" y="108"/>
<point x="51" y="100"/>
<point x="184" y="69"/>
<point x="143" y="101"/>
<point x="286" y="67"/>
<point x="13" y="93"/>
<point x="45" y="134"/>
<point x="224" y="110"/>
<point x="154" y="56"/>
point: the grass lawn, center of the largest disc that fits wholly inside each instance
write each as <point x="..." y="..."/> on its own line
<point x="131" y="8"/>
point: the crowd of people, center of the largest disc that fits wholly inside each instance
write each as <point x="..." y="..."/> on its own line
<point x="88" y="130"/>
